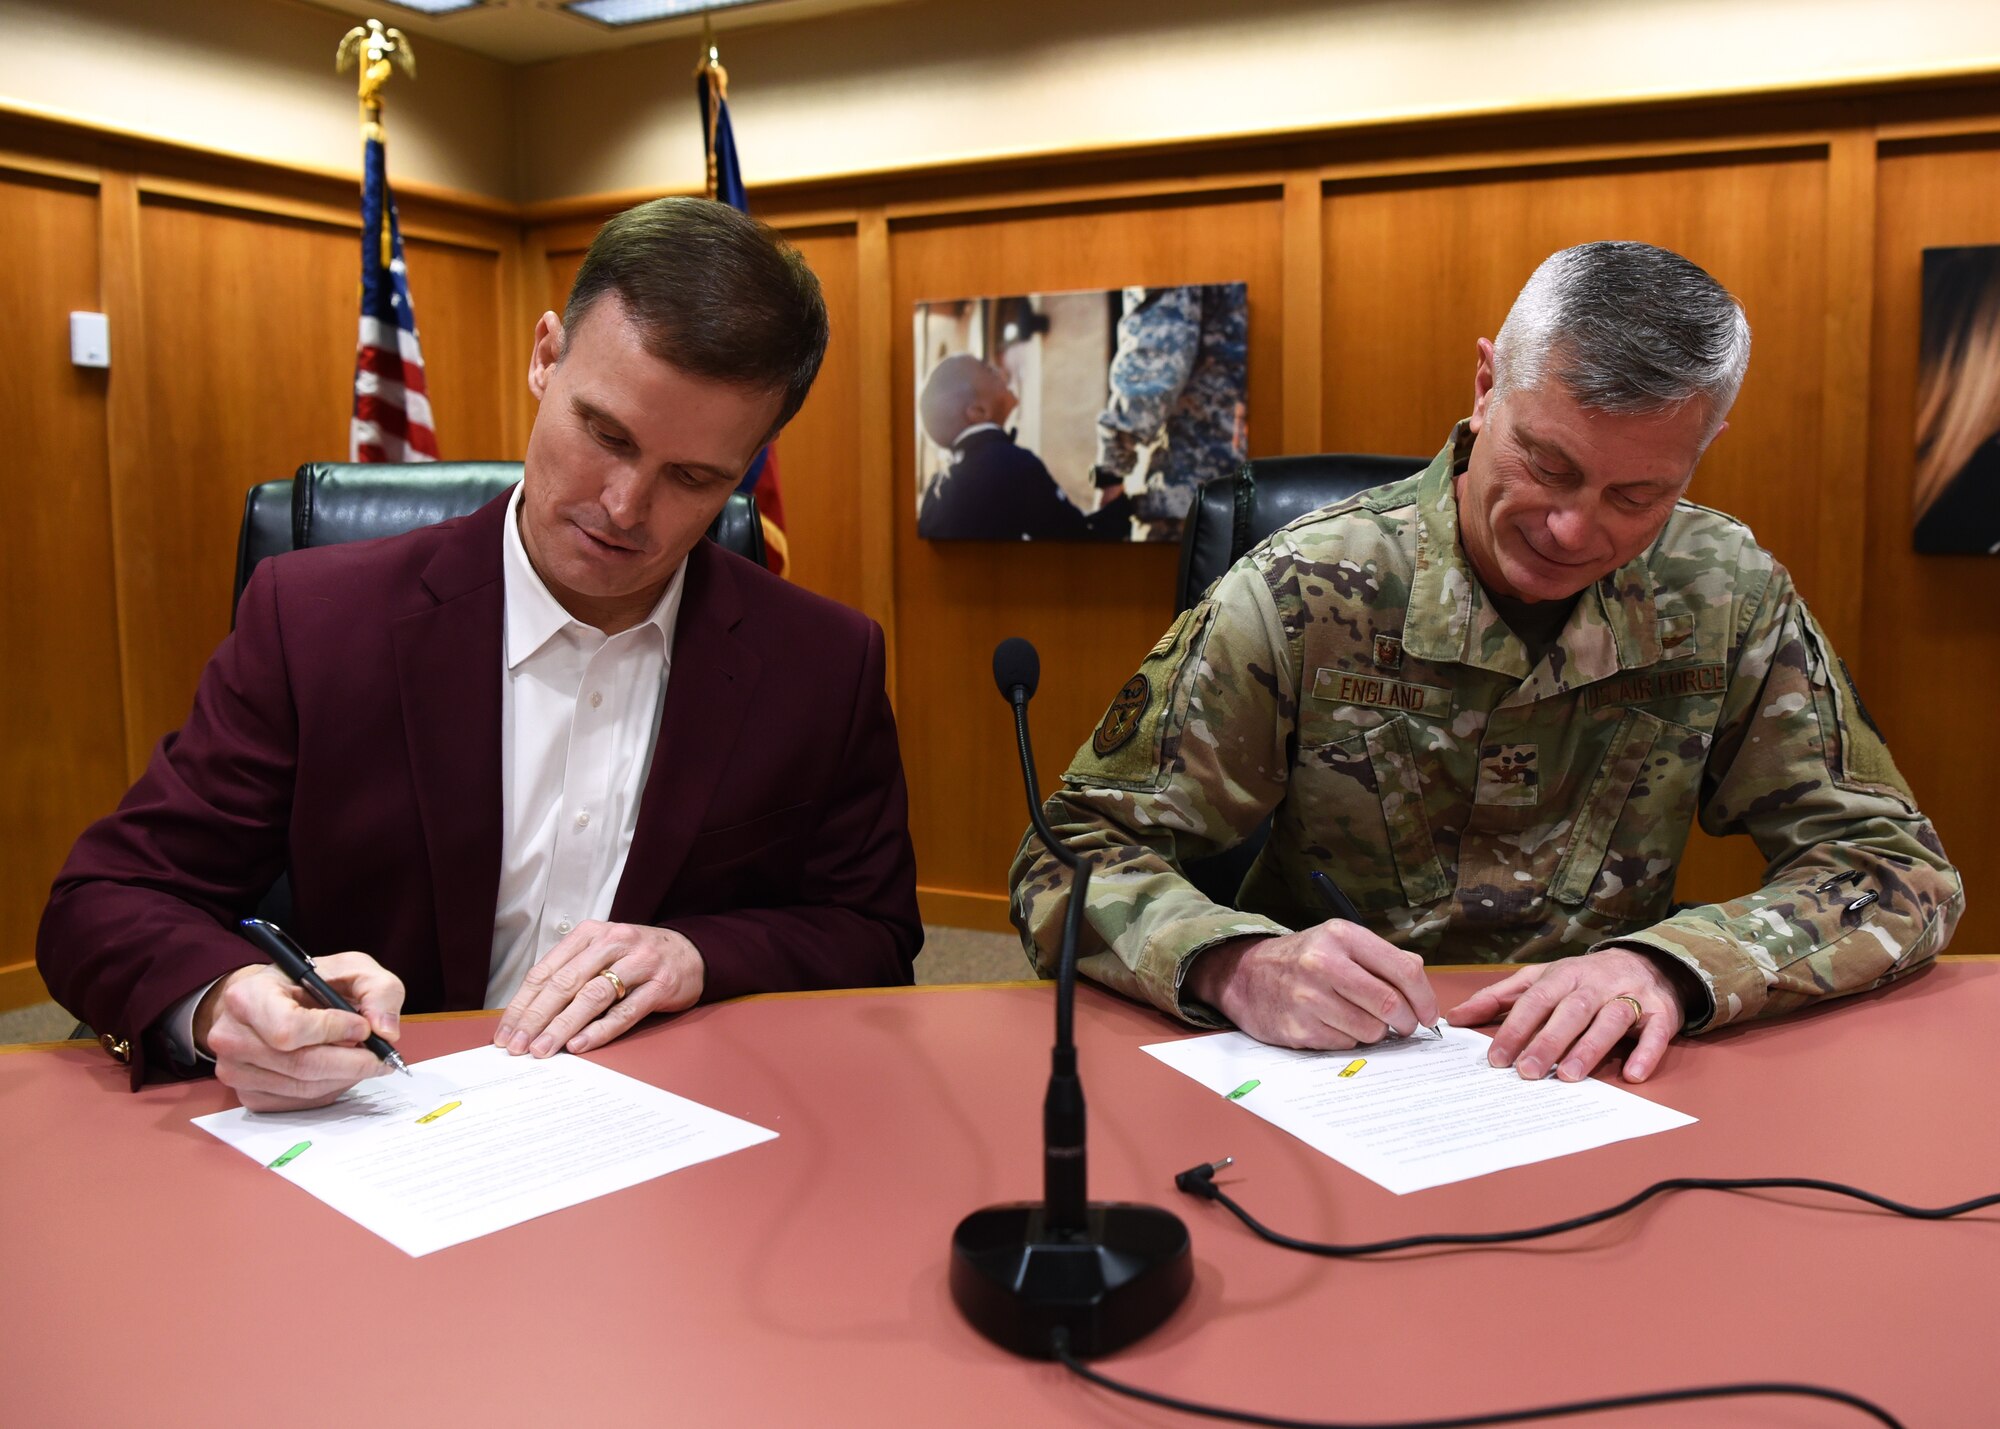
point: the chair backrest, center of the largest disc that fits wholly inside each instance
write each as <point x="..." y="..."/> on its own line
<point x="329" y="502"/>
<point x="1233" y="513"/>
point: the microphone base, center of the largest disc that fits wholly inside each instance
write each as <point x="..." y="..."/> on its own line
<point x="1110" y="1284"/>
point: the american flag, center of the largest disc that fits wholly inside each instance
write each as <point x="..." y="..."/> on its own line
<point x="392" y="409"/>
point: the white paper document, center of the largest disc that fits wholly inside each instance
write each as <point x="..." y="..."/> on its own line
<point x="478" y="1141"/>
<point x="1416" y="1112"/>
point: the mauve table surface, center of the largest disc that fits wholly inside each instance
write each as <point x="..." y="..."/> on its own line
<point x="155" y="1275"/>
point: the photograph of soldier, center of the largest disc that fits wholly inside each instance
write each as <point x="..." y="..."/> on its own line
<point x="1014" y="394"/>
<point x="1489" y="701"/>
<point x="1175" y="414"/>
<point x="1956" y="502"/>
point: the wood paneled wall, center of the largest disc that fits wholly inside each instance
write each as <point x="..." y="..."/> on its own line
<point x="62" y="732"/>
<point x="1374" y="259"/>
<point x="1930" y="645"/>
<point x="275" y="391"/>
<point x="231" y="293"/>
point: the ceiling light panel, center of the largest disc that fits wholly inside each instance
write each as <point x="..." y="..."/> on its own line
<point x="640" y="12"/>
<point x="435" y="7"/>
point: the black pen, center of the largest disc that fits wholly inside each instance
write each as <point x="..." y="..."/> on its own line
<point x="1337" y="903"/>
<point x="295" y="963"/>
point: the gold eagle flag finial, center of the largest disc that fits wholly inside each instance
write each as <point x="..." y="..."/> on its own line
<point x="373" y="48"/>
<point x="709" y="68"/>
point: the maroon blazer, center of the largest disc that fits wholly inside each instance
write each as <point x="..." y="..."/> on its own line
<point x="349" y="731"/>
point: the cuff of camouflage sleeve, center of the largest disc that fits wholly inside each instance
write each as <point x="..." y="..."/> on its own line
<point x="1729" y="984"/>
<point x="1170" y="952"/>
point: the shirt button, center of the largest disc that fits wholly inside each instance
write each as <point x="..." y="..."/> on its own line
<point x="596" y="698"/>
<point x="564" y="926"/>
<point x="583" y="821"/>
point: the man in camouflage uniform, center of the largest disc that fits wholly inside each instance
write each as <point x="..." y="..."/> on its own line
<point x="1179" y="370"/>
<point x="1488" y="700"/>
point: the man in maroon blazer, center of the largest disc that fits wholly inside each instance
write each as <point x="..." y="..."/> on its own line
<point x="561" y="755"/>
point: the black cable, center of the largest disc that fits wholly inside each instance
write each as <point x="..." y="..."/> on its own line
<point x="1059" y="1342"/>
<point x="1200" y="1181"/>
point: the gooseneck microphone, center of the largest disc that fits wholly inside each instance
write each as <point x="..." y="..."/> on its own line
<point x="1103" y="1272"/>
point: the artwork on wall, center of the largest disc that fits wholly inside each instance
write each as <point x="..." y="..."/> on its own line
<point x="1077" y="416"/>
<point x="1957" y="489"/>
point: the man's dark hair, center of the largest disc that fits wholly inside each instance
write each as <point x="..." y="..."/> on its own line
<point x="717" y="294"/>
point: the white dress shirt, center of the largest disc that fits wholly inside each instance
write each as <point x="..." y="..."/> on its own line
<point x="579" y="714"/>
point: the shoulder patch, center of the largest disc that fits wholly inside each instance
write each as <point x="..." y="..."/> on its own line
<point x="1131" y="743"/>
<point x="1121" y="721"/>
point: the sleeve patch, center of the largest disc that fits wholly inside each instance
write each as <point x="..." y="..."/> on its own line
<point x="1131" y="743"/>
<point x="1121" y="721"/>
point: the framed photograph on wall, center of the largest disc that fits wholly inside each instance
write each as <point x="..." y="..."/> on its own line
<point x="1956" y="501"/>
<point x="1087" y="416"/>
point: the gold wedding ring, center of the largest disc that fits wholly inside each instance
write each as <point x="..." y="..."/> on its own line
<point x="618" y="986"/>
<point x="1638" y="1012"/>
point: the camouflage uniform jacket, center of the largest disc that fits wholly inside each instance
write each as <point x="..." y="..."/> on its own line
<point x="1351" y="678"/>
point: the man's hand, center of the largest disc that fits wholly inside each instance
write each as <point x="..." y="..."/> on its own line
<point x="565" y="1001"/>
<point x="280" y="1050"/>
<point x="1568" y="1013"/>
<point x="1335" y="986"/>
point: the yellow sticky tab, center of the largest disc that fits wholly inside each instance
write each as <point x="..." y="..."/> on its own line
<point x="1352" y="1067"/>
<point x="434" y="1115"/>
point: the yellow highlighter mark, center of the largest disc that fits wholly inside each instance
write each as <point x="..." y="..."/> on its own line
<point x="1352" y="1067"/>
<point x="434" y="1115"/>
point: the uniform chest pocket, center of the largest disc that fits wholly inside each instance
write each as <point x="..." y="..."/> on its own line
<point x="1633" y="822"/>
<point x="1357" y="805"/>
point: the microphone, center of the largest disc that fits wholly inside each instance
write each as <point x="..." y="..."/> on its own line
<point x="1104" y="1273"/>
<point x="1017" y="669"/>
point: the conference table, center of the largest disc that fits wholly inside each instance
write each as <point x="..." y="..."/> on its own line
<point x="155" y="1275"/>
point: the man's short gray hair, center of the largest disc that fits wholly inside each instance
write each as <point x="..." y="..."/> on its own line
<point x="1625" y="327"/>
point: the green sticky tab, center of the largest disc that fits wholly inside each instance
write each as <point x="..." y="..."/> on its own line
<point x="291" y="1155"/>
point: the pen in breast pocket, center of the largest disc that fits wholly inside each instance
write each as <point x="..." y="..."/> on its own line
<point x="1337" y="904"/>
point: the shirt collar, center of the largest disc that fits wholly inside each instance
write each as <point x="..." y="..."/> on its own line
<point x="534" y="616"/>
<point x="1615" y="626"/>
<point x="975" y="427"/>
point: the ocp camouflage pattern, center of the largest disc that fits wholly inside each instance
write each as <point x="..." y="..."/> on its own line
<point x="1179" y="370"/>
<point x="1351" y="678"/>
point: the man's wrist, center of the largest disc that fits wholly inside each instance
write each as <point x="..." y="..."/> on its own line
<point x="1687" y="987"/>
<point x="210" y="1006"/>
<point x="1208" y="972"/>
